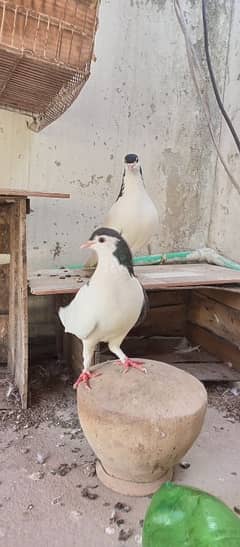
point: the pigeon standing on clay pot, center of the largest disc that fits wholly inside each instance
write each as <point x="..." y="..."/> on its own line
<point x="107" y="307"/>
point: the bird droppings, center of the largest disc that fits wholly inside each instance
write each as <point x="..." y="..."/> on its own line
<point x="110" y="530"/>
<point x="57" y="163"/>
<point x="115" y="519"/>
<point x="185" y="465"/>
<point x="125" y="534"/>
<point x="37" y="476"/>
<point x="141" y="523"/>
<point x="57" y="501"/>
<point x="87" y="494"/>
<point x="119" y="506"/>
<point x="63" y="469"/>
<point x="120" y="522"/>
<point x="75" y="515"/>
<point x="25" y="450"/>
<point x="41" y="458"/>
<point x="138" y="539"/>
<point x="90" y="470"/>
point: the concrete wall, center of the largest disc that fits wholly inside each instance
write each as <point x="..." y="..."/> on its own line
<point x="140" y="98"/>
<point x="225" y="215"/>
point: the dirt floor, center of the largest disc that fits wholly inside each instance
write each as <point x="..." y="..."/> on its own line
<point x="49" y="494"/>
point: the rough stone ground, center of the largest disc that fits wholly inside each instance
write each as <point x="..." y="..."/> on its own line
<point x="49" y="494"/>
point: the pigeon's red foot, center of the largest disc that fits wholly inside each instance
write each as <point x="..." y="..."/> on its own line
<point x="84" y="379"/>
<point x="129" y="363"/>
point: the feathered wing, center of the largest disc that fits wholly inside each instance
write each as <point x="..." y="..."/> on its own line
<point x="78" y="317"/>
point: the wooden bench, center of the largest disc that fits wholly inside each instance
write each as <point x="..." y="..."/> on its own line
<point x="189" y="301"/>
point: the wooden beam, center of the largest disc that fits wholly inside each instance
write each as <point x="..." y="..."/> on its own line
<point x="10" y="192"/>
<point x="231" y="299"/>
<point x="18" y="310"/>
<point x="167" y="298"/>
<point x="218" y="318"/>
<point x="216" y="345"/>
<point x="3" y="337"/>
<point x="163" y="321"/>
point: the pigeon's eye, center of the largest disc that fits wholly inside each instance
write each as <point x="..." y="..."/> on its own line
<point x="101" y="240"/>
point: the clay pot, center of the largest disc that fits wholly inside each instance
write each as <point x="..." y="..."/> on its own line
<point x="140" y="426"/>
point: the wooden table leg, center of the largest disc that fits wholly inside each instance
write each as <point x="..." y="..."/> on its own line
<point x="18" y="308"/>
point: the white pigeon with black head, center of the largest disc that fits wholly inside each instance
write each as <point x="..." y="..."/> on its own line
<point x="109" y="305"/>
<point x="133" y="214"/>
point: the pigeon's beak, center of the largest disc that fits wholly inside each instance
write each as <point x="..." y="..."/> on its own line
<point x="87" y="245"/>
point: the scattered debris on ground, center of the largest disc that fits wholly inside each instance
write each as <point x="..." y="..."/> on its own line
<point x="119" y="506"/>
<point x="221" y="397"/>
<point x="185" y="465"/>
<point x="86" y="493"/>
<point x="57" y="470"/>
<point x="63" y="469"/>
<point x="125" y="534"/>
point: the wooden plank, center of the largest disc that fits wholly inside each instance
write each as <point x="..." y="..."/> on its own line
<point x="18" y="310"/>
<point x="163" y="321"/>
<point x="222" y="348"/>
<point x="4" y="283"/>
<point x="185" y="275"/>
<point x="55" y="284"/>
<point x="218" y="318"/>
<point x="4" y="288"/>
<point x="10" y="192"/>
<point x="152" y="277"/>
<point x="231" y="299"/>
<point x="133" y="345"/>
<point x="167" y="298"/>
<point x="210" y="372"/>
<point x="3" y="338"/>
<point x="170" y="349"/>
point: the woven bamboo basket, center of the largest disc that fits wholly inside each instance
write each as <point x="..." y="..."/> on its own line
<point x="46" y="49"/>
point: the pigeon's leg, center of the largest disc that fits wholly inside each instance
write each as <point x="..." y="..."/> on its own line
<point x="86" y="375"/>
<point x="124" y="360"/>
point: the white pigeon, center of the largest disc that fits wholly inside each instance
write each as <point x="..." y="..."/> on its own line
<point x="133" y="214"/>
<point x="107" y="307"/>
